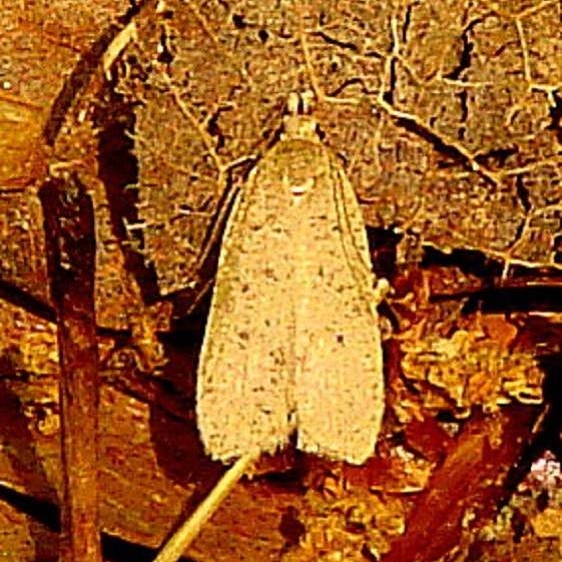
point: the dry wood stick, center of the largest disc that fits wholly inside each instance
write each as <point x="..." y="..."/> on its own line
<point x="471" y="479"/>
<point x="69" y="227"/>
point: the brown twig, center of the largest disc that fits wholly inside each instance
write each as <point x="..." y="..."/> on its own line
<point x="69" y="227"/>
<point x="471" y="480"/>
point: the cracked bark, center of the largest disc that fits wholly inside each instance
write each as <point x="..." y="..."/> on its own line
<point x="447" y="121"/>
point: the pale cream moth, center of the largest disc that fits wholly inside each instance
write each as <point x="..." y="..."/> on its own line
<point x="292" y="341"/>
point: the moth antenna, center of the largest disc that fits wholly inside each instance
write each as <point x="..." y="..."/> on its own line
<point x="294" y="103"/>
<point x="298" y="122"/>
<point x="300" y="103"/>
<point x="307" y="101"/>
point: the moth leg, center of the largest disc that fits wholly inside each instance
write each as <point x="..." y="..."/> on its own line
<point x="381" y="289"/>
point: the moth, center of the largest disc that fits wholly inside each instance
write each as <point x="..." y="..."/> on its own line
<point x="292" y="342"/>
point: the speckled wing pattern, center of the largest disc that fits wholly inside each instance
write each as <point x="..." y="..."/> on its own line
<point x="292" y="340"/>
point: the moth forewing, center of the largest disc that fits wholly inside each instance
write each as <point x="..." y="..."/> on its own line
<point x="246" y="362"/>
<point x="339" y="381"/>
<point x="354" y="236"/>
<point x="292" y="339"/>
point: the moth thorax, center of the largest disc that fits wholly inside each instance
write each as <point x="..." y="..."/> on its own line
<point x="299" y="126"/>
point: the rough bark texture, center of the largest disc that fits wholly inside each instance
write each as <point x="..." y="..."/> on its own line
<point x="446" y="117"/>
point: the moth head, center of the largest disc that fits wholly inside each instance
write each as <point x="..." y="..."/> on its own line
<point x="299" y="127"/>
<point x="298" y="123"/>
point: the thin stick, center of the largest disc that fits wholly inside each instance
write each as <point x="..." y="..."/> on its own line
<point x="71" y="247"/>
<point x="184" y="536"/>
